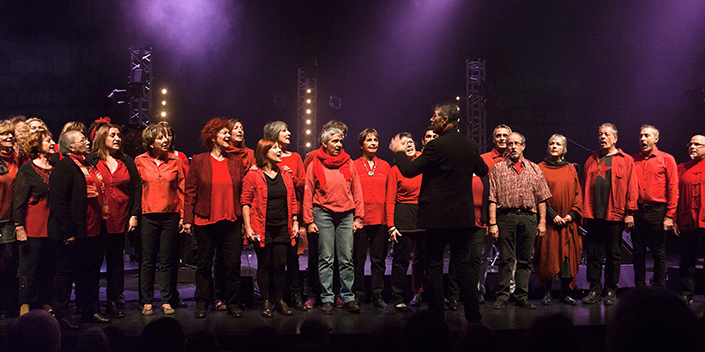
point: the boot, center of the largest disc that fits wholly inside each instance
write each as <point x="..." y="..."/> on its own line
<point x="298" y="302"/>
<point x="282" y="308"/>
<point x="114" y="311"/>
<point x="565" y="292"/>
<point x="548" y="297"/>
<point x="267" y="310"/>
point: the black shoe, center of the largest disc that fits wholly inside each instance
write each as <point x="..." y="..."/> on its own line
<point x="114" y="311"/>
<point x="267" y="310"/>
<point x="524" y="303"/>
<point x="378" y="303"/>
<point x="499" y="304"/>
<point x="281" y="307"/>
<point x="68" y="323"/>
<point x="416" y="301"/>
<point x="327" y="308"/>
<point x="353" y="307"/>
<point x="592" y="298"/>
<point x="569" y="301"/>
<point x="298" y="302"/>
<point x="200" y="311"/>
<point x="610" y="298"/>
<point x="453" y="304"/>
<point x="95" y="318"/>
<point x="546" y="301"/>
<point x="179" y="303"/>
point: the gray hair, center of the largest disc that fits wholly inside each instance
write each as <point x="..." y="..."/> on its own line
<point x="272" y="129"/>
<point x="330" y="132"/>
<point x="561" y="138"/>
<point x="66" y="139"/>
<point x="610" y="125"/>
<point x="521" y="136"/>
<point x="643" y="127"/>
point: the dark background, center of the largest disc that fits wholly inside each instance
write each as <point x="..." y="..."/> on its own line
<point x="552" y="66"/>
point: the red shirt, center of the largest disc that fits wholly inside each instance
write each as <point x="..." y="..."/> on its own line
<point x="298" y="172"/>
<point x="374" y="189"/>
<point x="222" y="202"/>
<point x="691" y="203"/>
<point x="340" y="195"/>
<point x="491" y="158"/>
<point x="184" y="161"/>
<point x="162" y="185"/>
<point x="117" y="191"/>
<point x="7" y="182"/>
<point x="512" y="189"/>
<point x="401" y="189"/>
<point x="477" y="189"/>
<point x="624" y="192"/>
<point x="657" y="177"/>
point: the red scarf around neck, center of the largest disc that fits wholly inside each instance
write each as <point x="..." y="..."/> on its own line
<point x="340" y="162"/>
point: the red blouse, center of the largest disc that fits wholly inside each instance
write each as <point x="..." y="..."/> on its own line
<point x="222" y="202"/>
<point x="374" y="189"/>
<point x="401" y="189"/>
<point x="162" y="185"/>
<point x="7" y="184"/>
<point x="117" y="190"/>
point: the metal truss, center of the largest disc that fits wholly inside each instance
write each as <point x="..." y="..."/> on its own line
<point x="307" y="102"/>
<point x="475" y="98"/>
<point x="140" y="84"/>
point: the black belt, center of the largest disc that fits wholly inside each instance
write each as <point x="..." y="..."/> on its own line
<point x="514" y="211"/>
<point x="649" y="206"/>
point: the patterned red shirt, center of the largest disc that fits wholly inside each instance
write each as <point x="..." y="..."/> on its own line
<point x="524" y="189"/>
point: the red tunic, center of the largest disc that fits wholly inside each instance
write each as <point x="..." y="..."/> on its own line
<point x="691" y="203"/>
<point x="117" y="190"/>
<point x="560" y="243"/>
<point x="374" y="189"/>
<point x="222" y="202"/>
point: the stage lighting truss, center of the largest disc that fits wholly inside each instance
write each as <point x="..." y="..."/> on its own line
<point x="475" y="101"/>
<point x="307" y="93"/>
<point x="140" y="84"/>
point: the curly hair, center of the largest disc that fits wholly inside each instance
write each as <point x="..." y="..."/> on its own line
<point x="150" y="134"/>
<point x="211" y="129"/>
<point x="32" y="146"/>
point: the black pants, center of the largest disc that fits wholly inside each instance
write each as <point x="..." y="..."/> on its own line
<point x="78" y="261"/>
<point x="115" y="266"/>
<point x="293" y="274"/>
<point x="8" y="276"/>
<point x="313" y="281"/>
<point x="374" y="236"/>
<point x="37" y="270"/>
<point x="603" y="237"/>
<point x="453" y="286"/>
<point x="517" y="232"/>
<point x="225" y="237"/>
<point x="692" y="240"/>
<point x="400" y="265"/>
<point x="465" y="249"/>
<point x="160" y="237"/>
<point x="648" y="231"/>
<point x="271" y="262"/>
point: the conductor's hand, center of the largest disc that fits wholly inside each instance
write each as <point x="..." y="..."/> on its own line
<point x="395" y="145"/>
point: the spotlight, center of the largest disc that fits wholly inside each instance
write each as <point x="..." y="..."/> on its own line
<point x="308" y="122"/>
<point x="308" y="90"/>
<point x="308" y="101"/>
<point x="164" y="91"/>
<point x="457" y="98"/>
<point x="308" y="131"/>
<point x="163" y="113"/>
<point x="163" y="102"/>
<point x="308" y="145"/>
<point x="308" y="111"/>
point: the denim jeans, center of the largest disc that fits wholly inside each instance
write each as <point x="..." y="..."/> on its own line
<point x="335" y="237"/>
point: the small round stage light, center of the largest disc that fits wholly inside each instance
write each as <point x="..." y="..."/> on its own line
<point x="308" y="90"/>
<point x="164" y="91"/>
<point x="308" y="111"/>
<point x="308" y="101"/>
<point x="163" y="102"/>
<point x="163" y="113"/>
<point x="308" y="145"/>
<point x="308" y="122"/>
<point x="457" y="98"/>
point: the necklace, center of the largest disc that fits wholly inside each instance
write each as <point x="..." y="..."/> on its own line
<point x="367" y="167"/>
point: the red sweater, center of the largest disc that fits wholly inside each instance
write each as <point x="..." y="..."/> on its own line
<point x="624" y="190"/>
<point x="401" y="189"/>
<point x="374" y="190"/>
<point x="341" y="195"/>
<point x="254" y="194"/>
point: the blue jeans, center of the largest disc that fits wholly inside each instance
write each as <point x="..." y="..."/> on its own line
<point x="335" y="235"/>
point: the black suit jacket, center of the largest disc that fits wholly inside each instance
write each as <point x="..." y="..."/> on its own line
<point x="447" y="164"/>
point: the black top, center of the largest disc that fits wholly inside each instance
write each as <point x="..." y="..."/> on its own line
<point x="447" y="164"/>
<point x="277" y="207"/>
<point x="29" y="184"/>
<point x="603" y="184"/>
<point x="134" y="203"/>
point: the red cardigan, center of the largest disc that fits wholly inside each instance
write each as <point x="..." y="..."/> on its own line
<point x="254" y="194"/>
<point x="624" y="188"/>
<point x="198" y="188"/>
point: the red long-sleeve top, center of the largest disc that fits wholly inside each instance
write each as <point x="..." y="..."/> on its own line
<point x="401" y="189"/>
<point x="162" y="185"/>
<point x="624" y="190"/>
<point x="657" y="176"/>
<point x="298" y="173"/>
<point x="691" y="203"/>
<point x="117" y="192"/>
<point x="374" y="189"/>
<point x="340" y="196"/>
<point x="491" y="158"/>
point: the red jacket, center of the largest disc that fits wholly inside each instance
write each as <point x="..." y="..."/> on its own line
<point x="254" y="194"/>
<point x="624" y="188"/>
<point x="197" y="198"/>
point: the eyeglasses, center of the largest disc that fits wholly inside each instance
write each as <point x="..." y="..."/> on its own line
<point x="696" y="145"/>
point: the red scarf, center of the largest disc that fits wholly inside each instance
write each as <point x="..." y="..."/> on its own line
<point x="95" y="187"/>
<point x="340" y="162"/>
